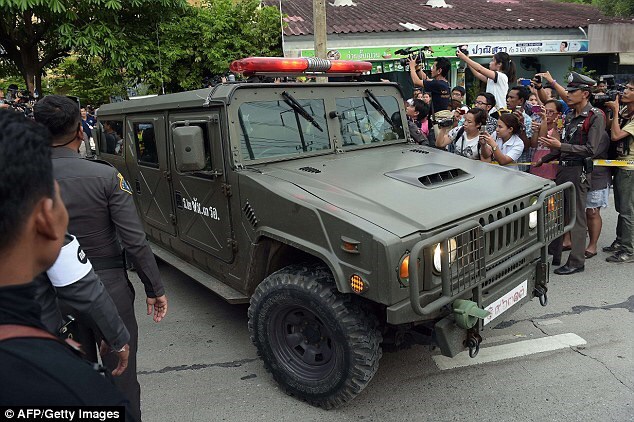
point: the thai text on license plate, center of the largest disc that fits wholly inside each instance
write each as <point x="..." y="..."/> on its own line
<point x="504" y="303"/>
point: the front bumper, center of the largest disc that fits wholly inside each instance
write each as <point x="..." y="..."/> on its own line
<point x="469" y="276"/>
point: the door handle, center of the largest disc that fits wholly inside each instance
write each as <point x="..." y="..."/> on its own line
<point x="179" y="199"/>
<point x="137" y="186"/>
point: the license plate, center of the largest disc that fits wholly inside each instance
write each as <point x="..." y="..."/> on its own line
<point x="507" y="301"/>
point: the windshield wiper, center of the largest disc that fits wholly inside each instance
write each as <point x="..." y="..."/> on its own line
<point x="374" y="102"/>
<point x="295" y="105"/>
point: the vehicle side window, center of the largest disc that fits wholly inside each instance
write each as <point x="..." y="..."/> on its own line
<point x="274" y="129"/>
<point x="363" y="122"/>
<point x="205" y="131"/>
<point x="111" y="137"/>
<point x="145" y="142"/>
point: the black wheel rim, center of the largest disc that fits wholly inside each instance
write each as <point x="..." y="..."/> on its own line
<point x="302" y="343"/>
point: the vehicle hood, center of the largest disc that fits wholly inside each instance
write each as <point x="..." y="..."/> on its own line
<point x="406" y="188"/>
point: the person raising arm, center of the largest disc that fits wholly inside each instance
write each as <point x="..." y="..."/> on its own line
<point x="501" y="70"/>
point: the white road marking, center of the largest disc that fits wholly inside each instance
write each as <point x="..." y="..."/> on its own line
<point x="509" y="351"/>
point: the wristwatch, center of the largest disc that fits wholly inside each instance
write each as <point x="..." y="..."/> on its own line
<point x="494" y="148"/>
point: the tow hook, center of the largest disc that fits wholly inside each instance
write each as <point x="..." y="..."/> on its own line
<point x="473" y="343"/>
<point x="540" y="292"/>
<point x="467" y="313"/>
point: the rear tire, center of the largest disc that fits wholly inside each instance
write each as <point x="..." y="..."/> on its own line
<point x="318" y="345"/>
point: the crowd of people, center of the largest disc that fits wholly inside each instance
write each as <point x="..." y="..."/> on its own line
<point x="538" y="126"/>
<point x="541" y="127"/>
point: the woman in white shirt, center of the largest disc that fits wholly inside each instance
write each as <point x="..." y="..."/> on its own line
<point x="465" y="138"/>
<point x="508" y="146"/>
<point x="501" y="70"/>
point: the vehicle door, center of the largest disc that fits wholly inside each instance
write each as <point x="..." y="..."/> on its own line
<point x="108" y="134"/>
<point x="201" y="197"/>
<point x="148" y="162"/>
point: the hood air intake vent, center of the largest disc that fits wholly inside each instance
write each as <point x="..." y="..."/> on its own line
<point x="310" y="169"/>
<point x="442" y="177"/>
<point x="419" y="150"/>
<point x="430" y="175"/>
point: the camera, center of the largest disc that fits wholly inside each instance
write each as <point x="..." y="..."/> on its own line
<point x="448" y="122"/>
<point x="462" y="49"/>
<point x="418" y="54"/>
<point x="599" y="100"/>
<point x="537" y="79"/>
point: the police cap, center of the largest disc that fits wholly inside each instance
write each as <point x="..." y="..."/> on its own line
<point x="577" y="81"/>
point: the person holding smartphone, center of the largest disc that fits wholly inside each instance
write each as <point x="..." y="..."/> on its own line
<point x="550" y="124"/>
<point x="507" y="147"/>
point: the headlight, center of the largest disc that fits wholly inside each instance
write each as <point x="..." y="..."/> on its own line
<point x="532" y="220"/>
<point x="532" y="217"/>
<point x="452" y="254"/>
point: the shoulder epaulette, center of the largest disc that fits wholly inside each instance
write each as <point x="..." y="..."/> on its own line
<point x="97" y="160"/>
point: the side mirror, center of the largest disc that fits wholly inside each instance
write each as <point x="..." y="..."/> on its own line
<point x="189" y="148"/>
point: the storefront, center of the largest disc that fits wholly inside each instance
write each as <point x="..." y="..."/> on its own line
<point x="531" y="56"/>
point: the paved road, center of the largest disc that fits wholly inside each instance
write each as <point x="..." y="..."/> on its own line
<point x="199" y="364"/>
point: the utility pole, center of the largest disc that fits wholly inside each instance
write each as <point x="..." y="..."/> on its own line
<point x="319" y="31"/>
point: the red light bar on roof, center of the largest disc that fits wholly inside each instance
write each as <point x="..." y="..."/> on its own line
<point x="284" y="66"/>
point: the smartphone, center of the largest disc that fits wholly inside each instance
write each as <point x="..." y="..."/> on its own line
<point x="519" y="108"/>
<point x="536" y="109"/>
<point x="525" y="82"/>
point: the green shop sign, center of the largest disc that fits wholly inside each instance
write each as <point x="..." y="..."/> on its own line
<point x="382" y="53"/>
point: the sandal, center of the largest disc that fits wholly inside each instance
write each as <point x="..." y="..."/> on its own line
<point x="566" y="248"/>
<point x="589" y="255"/>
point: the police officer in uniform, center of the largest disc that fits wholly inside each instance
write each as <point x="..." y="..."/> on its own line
<point x="37" y="369"/>
<point x="583" y="130"/>
<point x="72" y="280"/>
<point x="103" y="217"/>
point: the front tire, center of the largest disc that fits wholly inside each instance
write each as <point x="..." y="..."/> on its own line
<point x="318" y="345"/>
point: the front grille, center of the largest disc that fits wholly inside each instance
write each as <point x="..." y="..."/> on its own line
<point x="466" y="254"/>
<point x="510" y="236"/>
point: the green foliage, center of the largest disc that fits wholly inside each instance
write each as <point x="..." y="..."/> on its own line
<point x="206" y="40"/>
<point x="622" y="8"/>
<point x="582" y="71"/>
<point x="117" y="43"/>
<point x="38" y="34"/>
<point x="80" y="78"/>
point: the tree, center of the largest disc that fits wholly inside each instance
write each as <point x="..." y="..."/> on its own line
<point x="80" y="78"/>
<point x="37" y="34"/>
<point x="622" y="8"/>
<point x="205" y="40"/>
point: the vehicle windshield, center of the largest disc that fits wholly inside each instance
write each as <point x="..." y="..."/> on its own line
<point x="271" y="129"/>
<point x="363" y="122"/>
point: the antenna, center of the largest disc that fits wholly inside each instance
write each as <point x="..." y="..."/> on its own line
<point x="158" y="46"/>
<point x="282" y="26"/>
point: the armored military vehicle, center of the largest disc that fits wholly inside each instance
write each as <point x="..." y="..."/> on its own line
<point x="310" y="202"/>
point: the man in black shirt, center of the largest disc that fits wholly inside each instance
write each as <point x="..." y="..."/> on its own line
<point x="37" y="368"/>
<point x="437" y="85"/>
